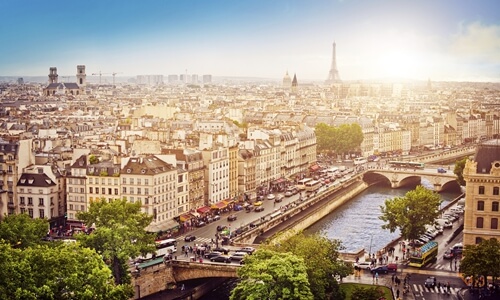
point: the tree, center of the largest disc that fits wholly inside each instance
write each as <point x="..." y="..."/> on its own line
<point x="56" y="271"/>
<point x="459" y="170"/>
<point x="322" y="260"/>
<point x="272" y="275"/>
<point x="411" y="213"/>
<point x="119" y="235"/>
<point x="342" y="139"/>
<point x="482" y="259"/>
<point x="93" y="159"/>
<point x="21" y="231"/>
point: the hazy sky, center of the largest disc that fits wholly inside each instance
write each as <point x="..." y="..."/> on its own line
<point x="376" y="39"/>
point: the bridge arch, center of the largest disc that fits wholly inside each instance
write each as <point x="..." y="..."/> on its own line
<point x="399" y="178"/>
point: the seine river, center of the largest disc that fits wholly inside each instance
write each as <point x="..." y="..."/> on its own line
<point x="356" y="224"/>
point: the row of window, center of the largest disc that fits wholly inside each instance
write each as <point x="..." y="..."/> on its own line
<point x="494" y="205"/>
<point x="495" y="191"/>
<point x="30" y="191"/>
<point x="493" y="223"/>
<point x="41" y="201"/>
<point x="41" y="212"/>
<point x="103" y="191"/>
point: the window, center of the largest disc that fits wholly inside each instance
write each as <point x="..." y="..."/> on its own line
<point x="30" y="212"/>
<point x="110" y="191"/>
<point x="103" y="190"/>
<point x="124" y="190"/>
<point x="479" y="240"/>
<point x="481" y="190"/>
<point x="40" y="201"/>
<point x="138" y="181"/>
<point x="479" y="222"/>
<point x="131" y="180"/>
<point x="91" y="190"/>
<point x="495" y="190"/>
<point x="30" y="201"/>
<point x="21" y="200"/>
<point x="138" y="191"/>
<point x="494" y="206"/>
<point x="116" y="191"/>
<point x="146" y="181"/>
<point x="494" y="223"/>
<point x="41" y="212"/>
<point x="480" y="205"/>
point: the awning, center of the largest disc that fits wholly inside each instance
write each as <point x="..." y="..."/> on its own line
<point x="219" y="205"/>
<point x="278" y="181"/>
<point x="314" y="167"/>
<point x="203" y="210"/>
<point x="162" y="226"/>
<point x="195" y="214"/>
<point x="185" y="217"/>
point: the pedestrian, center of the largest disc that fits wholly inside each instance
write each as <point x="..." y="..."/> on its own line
<point x="183" y="287"/>
<point x="397" y="293"/>
<point x="455" y="264"/>
<point x="376" y="277"/>
<point x="392" y="278"/>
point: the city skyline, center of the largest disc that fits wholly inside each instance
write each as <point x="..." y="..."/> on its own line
<point x="444" y="41"/>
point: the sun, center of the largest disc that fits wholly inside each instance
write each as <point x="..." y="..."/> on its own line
<point x="399" y="64"/>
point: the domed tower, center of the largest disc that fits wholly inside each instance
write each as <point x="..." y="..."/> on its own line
<point x="287" y="82"/>
<point x="294" y="83"/>
<point x="53" y="75"/>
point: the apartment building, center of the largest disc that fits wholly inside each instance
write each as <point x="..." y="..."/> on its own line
<point x="37" y="194"/>
<point x="152" y="182"/>
<point x="216" y="174"/>
<point x="247" y="165"/>
<point x="482" y="194"/>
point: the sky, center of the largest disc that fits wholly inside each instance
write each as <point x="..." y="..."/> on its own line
<point x="441" y="40"/>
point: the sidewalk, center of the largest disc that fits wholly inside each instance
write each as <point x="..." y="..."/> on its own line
<point x="383" y="280"/>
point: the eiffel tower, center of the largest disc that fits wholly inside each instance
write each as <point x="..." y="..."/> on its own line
<point x="333" y="75"/>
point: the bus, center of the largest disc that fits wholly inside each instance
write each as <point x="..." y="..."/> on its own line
<point x="407" y="164"/>
<point x="301" y="184"/>
<point x="312" y="186"/>
<point x="169" y="244"/>
<point x="421" y="256"/>
<point x="360" y="161"/>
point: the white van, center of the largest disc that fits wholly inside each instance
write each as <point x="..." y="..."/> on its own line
<point x="444" y="223"/>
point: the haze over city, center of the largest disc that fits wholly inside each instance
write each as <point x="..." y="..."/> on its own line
<point x="440" y="40"/>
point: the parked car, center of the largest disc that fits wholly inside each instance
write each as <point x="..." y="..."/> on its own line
<point x="380" y="270"/>
<point x="232" y="218"/>
<point x="201" y="224"/>
<point x="212" y="254"/>
<point x="221" y="227"/>
<point x="189" y="238"/>
<point x="392" y="267"/>
<point x="279" y="198"/>
<point x="221" y="250"/>
<point x="259" y="209"/>
<point x="289" y="193"/>
<point x="248" y="250"/>
<point x="238" y="256"/>
<point x="365" y="265"/>
<point x="258" y="203"/>
<point x="215" y="218"/>
<point x="458" y="248"/>
<point x="271" y="197"/>
<point x="221" y="258"/>
<point x="430" y="282"/>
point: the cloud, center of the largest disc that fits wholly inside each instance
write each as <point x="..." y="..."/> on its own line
<point x="477" y="43"/>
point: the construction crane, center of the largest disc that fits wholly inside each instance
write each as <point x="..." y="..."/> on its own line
<point x="114" y="73"/>
<point x="100" y="75"/>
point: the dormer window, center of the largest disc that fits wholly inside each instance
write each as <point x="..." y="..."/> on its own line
<point x="23" y="180"/>
<point x="30" y="181"/>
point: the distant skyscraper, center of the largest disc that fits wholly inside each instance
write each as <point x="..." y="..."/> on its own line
<point x="173" y="78"/>
<point x="194" y="79"/>
<point x="207" y="78"/>
<point x="333" y="75"/>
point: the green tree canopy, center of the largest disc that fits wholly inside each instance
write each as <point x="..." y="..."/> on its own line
<point x="411" y="213"/>
<point x="322" y="261"/>
<point x="459" y="170"/>
<point x="93" y="159"/>
<point x="119" y="235"/>
<point x="272" y="275"/>
<point x="21" y="231"/>
<point x="56" y="271"/>
<point x="482" y="259"/>
<point x="341" y="139"/>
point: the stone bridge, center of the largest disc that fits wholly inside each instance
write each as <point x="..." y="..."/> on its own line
<point x="155" y="276"/>
<point x="398" y="178"/>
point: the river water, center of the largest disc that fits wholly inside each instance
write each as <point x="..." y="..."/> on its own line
<point x="355" y="224"/>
